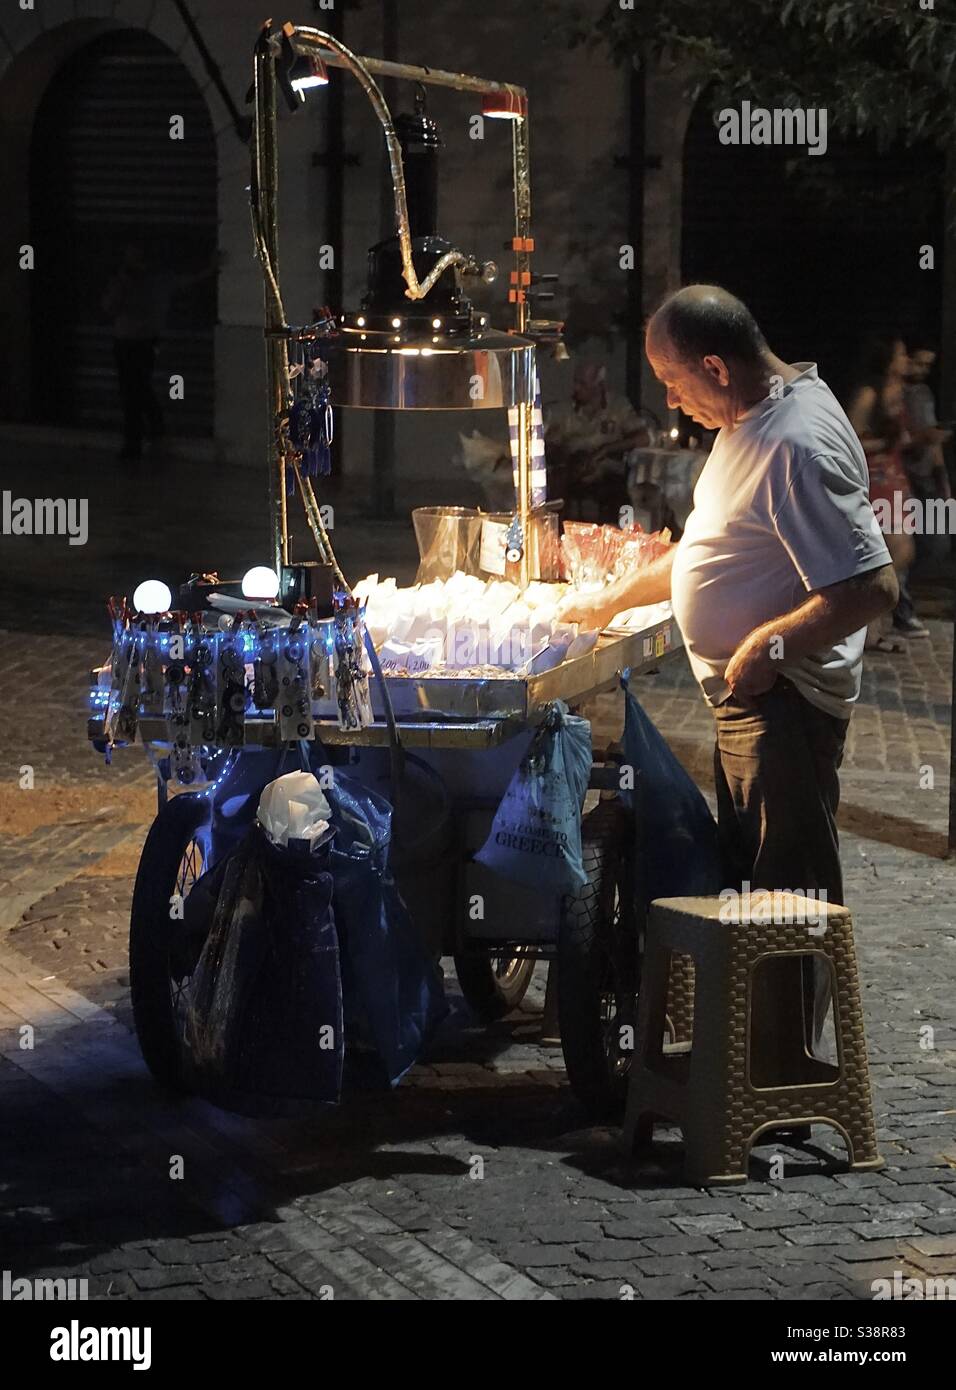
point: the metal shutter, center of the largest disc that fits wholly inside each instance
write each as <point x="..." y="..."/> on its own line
<point x="105" y="172"/>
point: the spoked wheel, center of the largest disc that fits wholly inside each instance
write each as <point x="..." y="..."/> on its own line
<point x="161" y="959"/>
<point x="599" y="959"/>
<point x="493" y="985"/>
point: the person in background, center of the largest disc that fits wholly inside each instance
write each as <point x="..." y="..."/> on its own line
<point x="875" y="409"/>
<point x="587" y="441"/>
<point x="923" y="455"/>
<point x="137" y="302"/>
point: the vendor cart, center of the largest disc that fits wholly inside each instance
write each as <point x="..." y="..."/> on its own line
<point x="227" y="692"/>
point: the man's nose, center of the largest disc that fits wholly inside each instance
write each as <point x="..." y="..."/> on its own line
<point x="673" y="399"/>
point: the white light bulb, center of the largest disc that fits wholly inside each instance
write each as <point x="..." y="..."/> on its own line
<point x="396" y="323"/>
<point x="152" y="596"/>
<point x="260" y="582"/>
<point x="436" y="323"/>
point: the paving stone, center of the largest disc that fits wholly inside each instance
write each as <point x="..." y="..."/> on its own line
<point x="116" y="1261"/>
<point x="246" y="1289"/>
<point x="751" y="1240"/>
<point x="726" y="1279"/>
<point x="935" y="1245"/>
<point x="556" y="1277"/>
<point x="613" y="1249"/>
<point x="883" y="1230"/>
<point x="659" y="1265"/>
<point x="673" y="1286"/>
<point x="172" y="1252"/>
<point x="169" y="1276"/>
<point x="565" y="1233"/>
<point x="679" y="1245"/>
<point x="639" y="1228"/>
<point x="708" y="1225"/>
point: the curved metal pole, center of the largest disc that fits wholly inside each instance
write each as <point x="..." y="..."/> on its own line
<point x="316" y="42"/>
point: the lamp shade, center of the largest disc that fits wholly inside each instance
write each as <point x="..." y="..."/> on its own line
<point x="505" y="106"/>
<point x="488" y="372"/>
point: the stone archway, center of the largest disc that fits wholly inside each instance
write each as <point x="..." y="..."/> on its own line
<point x="39" y="58"/>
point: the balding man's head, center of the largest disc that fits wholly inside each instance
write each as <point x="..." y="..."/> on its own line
<point x="705" y="346"/>
<point x="705" y="320"/>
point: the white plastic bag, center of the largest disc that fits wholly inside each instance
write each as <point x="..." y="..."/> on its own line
<point x="294" y="807"/>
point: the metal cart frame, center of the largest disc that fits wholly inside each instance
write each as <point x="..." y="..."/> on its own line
<point x="449" y="722"/>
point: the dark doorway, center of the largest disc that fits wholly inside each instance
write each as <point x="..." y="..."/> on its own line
<point x="106" y="173"/>
<point x="825" y="254"/>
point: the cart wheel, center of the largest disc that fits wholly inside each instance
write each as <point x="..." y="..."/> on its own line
<point x="493" y="985"/>
<point x="598" y="960"/>
<point x="171" y="862"/>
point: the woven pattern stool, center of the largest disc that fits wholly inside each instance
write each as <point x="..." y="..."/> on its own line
<point x="749" y="1067"/>
<point x="680" y="999"/>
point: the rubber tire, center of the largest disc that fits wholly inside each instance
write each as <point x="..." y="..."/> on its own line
<point x="582" y="961"/>
<point x="485" y="993"/>
<point x="149" y="965"/>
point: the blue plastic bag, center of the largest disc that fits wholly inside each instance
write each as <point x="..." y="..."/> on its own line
<point x="535" y="837"/>
<point x="676" y="834"/>
<point x="387" y="971"/>
<point x="264" y="1025"/>
<point x="392" y="990"/>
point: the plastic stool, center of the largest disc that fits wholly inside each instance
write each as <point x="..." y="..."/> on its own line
<point x="749" y="1067"/>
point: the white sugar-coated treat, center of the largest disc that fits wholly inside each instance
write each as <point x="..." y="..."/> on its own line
<point x="425" y="655"/>
<point x="461" y="583"/>
<point x="517" y="614"/>
<point x="462" y="643"/>
<point x="499" y="595"/>
<point x="582" y="644"/>
<point x="545" y="660"/>
<point x="540" y="633"/>
<point x="426" y="597"/>
<point x="365" y="587"/>
<point x="539" y="594"/>
<point x="511" y="646"/>
<point x="402" y="619"/>
<point x="394" y="655"/>
<point x="422" y="624"/>
<point x="378" y="628"/>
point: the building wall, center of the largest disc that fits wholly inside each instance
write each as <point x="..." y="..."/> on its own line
<point x="579" y="125"/>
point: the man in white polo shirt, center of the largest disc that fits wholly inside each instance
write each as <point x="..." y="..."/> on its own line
<point x="780" y="568"/>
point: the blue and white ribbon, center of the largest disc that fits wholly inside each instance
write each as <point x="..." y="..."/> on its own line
<point x="539" y="467"/>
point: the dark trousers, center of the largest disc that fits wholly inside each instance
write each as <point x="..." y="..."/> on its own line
<point x="135" y="359"/>
<point x="775" y="767"/>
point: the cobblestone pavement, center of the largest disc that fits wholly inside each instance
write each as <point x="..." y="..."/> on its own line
<point x="383" y="1198"/>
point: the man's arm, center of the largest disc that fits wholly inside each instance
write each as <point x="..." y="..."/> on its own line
<point x="824" y="618"/>
<point x="649" y="584"/>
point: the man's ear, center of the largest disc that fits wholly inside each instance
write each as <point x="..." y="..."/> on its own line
<point x="716" y="367"/>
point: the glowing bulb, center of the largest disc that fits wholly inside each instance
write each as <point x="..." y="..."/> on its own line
<point x="396" y="323"/>
<point x="152" y="596"/>
<point x="361" y="320"/>
<point x="436" y="323"/>
<point x="260" y="582"/>
<point x="675" y="434"/>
